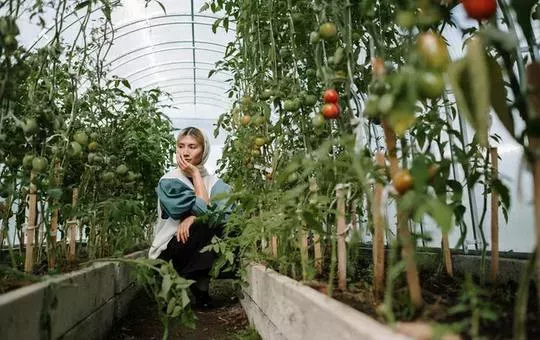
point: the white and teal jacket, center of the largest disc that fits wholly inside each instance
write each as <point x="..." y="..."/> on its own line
<point x="177" y="200"/>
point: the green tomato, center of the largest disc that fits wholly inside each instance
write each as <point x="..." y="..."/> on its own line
<point x="122" y="169"/>
<point x="108" y="176"/>
<point x="92" y="146"/>
<point x="430" y="84"/>
<point x="27" y="161"/>
<point x="314" y="37"/>
<point x="289" y="105"/>
<point x="30" y="126"/>
<point x="405" y="19"/>
<point x="318" y="121"/>
<point x="39" y="164"/>
<point x="310" y="100"/>
<point x="76" y="149"/>
<point x="81" y="137"/>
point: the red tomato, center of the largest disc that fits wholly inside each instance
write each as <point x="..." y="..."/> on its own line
<point x="330" y="96"/>
<point x="480" y="9"/>
<point x="330" y="110"/>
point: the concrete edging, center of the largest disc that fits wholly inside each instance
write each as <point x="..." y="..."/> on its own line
<point x="79" y="305"/>
<point x="282" y="308"/>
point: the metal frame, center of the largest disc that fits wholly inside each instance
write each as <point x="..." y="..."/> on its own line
<point x="164" y="50"/>
<point x="200" y="97"/>
<point x="158" y="84"/>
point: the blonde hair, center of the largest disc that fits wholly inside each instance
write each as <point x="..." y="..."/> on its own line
<point x="193" y="132"/>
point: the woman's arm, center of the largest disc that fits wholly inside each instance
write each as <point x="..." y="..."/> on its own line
<point x="200" y="188"/>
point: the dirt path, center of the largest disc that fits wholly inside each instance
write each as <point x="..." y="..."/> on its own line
<point x="226" y="321"/>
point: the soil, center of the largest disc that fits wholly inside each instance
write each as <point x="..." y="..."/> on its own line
<point x="441" y="293"/>
<point x="226" y="320"/>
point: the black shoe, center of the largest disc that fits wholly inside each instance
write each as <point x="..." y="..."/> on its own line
<point x="202" y="298"/>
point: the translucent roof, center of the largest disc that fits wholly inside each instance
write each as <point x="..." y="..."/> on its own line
<point x="173" y="49"/>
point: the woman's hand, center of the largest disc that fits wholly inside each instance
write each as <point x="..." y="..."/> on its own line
<point x="189" y="169"/>
<point x="182" y="232"/>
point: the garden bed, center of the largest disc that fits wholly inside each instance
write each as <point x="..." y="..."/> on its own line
<point x="82" y="304"/>
<point x="282" y="308"/>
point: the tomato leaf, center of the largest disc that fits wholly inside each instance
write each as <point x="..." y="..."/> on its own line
<point x="204" y="7"/>
<point x="126" y="83"/>
<point x="441" y="213"/>
<point x="498" y="95"/>
<point x="82" y="4"/>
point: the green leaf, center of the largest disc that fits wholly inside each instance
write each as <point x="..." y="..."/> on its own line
<point x="204" y="7"/>
<point x="215" y="25"/>
<point x="211" y="73"/>
<point x="226" y="24"/>
<point x="498" y="95"/>
<point x="82" y="4"/>
<point x="106" y="12"/>
<point x="441" y="213"/>
<point x="125" y="82"/>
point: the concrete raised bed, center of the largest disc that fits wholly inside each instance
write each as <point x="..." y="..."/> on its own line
<point x="78" y="305"/>
<point x="282" y="308"/>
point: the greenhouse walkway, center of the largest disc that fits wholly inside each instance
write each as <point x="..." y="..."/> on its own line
<point x="226" y="321"/>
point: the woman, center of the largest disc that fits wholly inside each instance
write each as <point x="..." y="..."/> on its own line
<point x="185" y="194"/>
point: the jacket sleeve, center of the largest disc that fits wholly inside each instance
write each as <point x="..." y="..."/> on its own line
<point x="176" y="199"/>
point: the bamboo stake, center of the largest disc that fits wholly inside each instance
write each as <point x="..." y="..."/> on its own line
<point x="378" y="234"/>
<point x="447" y="255"/>
<point x="73" y="228"/>
<point x="317" y="253"/>
<point x="54" y="223"/>
<point x="407" y="250"/>
<point x="341" y="231"/>
<point x="31" y="215"/>
<point x="536" y="179"/>
<point x="494" y="218"/>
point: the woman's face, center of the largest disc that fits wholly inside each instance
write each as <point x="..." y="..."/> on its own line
<point x="190" y="150"/>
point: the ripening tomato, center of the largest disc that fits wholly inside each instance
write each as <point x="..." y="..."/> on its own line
<point x="403" y="181"/>
<point x="480" y="9"/>
<point x="318" y="120"/>
<point x="330" y="96"/>
<point x="328" y="31"/>
<point x="330" y="111"/>
<point x="245" y="120"/>
<point x="433" y="50"/>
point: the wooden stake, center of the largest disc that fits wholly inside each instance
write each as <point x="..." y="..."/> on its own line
<point x="31" y="215"/>
<point x="54" y="222"/>
<point x="407" y="250"/>
<point x="317" y="253"/>
<point x="378" y="234"/>
<point x="447" y="255"/>
<point x="341" y="231"/>
<point x="303" y="243"/>
<point x="73" y="227"/>
<point x="274" y="246"/>
<point x="494" y="218"/>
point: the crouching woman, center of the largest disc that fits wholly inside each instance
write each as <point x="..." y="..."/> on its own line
<point x="184" y="194"/>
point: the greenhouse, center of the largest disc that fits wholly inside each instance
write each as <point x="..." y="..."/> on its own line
<point x="269" y="169"/>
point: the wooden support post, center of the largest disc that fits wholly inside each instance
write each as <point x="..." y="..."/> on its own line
<point x="494" y="218"/>
<point x="54" y="221"/>
<point x="317" y="253"/>
<point x="407" y="249"/>
<point x="73" y="228"/>
<point x="31" y="215"/>
<point x="447" y="255"/>
<point x="303" y="243"/>
<point x="274" y="246"/>
<point x="341" y="231"/>
<point x="378" y="234"/>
